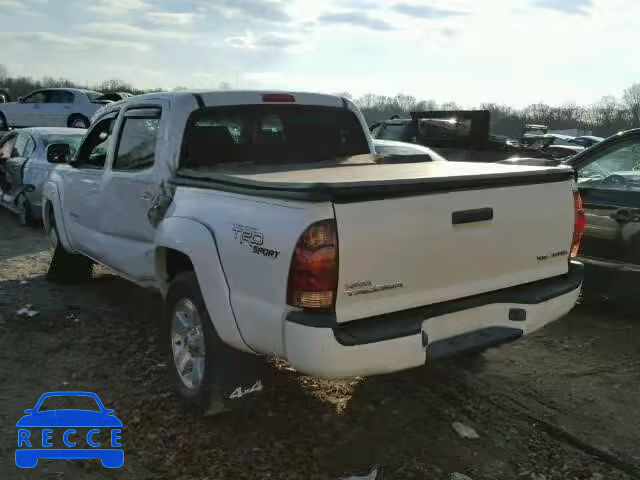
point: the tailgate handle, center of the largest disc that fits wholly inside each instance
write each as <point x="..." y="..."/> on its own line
<point x="471" y="216"/>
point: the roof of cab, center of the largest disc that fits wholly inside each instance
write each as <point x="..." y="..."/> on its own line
<point x="240" y="97"/>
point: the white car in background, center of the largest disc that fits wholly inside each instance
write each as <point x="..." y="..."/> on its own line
<point x="392" y="147"/>
<point x="52" y="107"/>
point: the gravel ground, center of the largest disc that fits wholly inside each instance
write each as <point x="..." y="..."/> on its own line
<point x="560" y="404"/>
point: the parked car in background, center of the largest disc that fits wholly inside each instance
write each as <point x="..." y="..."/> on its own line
<point x="52" y="107"/>
<point x="24" y="167"/>
<point x="586" y="141"/>
<point x="115" y="96"/>
<point x="561" y="152"/>
<point x="458" y="135"/>
<point x="4" y="95"/>
<point x="608" y="178"/>
<point x="390" y="147"/>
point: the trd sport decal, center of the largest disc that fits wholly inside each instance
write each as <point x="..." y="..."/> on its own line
<point x="252" y="238"/>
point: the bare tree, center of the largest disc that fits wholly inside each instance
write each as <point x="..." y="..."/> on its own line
<point x="3" y="71"/>
<point x="114" y="85"/>
<point x="451" y="105"/>
<point x="631" y="98"/>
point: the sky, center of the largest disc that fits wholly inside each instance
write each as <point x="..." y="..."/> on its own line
<point x="469" y="51"/>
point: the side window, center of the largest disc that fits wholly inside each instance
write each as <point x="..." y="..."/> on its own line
<point x="137" y="143"/>
<point x="23" y="146"/>
<point x="617" y="169"/>
<point x="60" y="96"/>
<point x="37" y="97"/>
<point x="93" y="151"/>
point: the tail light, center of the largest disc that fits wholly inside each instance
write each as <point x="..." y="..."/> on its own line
<point x="579" y="224"/>
<point x="313" y="277"/>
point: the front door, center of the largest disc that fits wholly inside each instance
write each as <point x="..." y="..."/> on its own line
<point x="128" y="190"/>
<point x="609" y="182"/>
<point x="33" y="111"/>
<point x="81" y="190"/>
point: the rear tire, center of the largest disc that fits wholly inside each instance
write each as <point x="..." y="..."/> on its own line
<point x="204" y="393"/>
<point x="66" y="268"/>
<point x="202" y="368"/>
<point x="78" y="121"/>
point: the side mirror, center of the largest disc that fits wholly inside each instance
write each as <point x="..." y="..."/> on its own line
<point x="58" y="153"/>
<point x="20" y="99"/>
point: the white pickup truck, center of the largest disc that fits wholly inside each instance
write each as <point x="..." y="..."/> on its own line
<point x="271" y="229"/>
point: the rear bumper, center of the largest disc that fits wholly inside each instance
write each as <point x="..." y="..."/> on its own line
<point x="317" y="345"/>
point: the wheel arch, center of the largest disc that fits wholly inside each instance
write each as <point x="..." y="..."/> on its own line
<point x="186" y="244"/>
<point x="52" y="213"/>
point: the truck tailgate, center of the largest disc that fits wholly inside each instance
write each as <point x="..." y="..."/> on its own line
<point x="408" y="251"/>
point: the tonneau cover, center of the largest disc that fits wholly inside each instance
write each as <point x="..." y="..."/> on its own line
<point x="358" y="181"/>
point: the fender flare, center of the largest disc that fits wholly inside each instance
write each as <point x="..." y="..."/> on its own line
<point x="197" y="241"/>
<point x="51" y="196"/>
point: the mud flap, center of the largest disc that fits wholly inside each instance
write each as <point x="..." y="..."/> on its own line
<point x="240" y="380"/>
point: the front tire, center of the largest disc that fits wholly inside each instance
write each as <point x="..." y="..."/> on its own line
<point x="65" y="267"/>
<point x="25" y="213"/>
<point x="4" y="126"/>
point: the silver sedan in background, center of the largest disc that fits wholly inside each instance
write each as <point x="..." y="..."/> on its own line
<point x="24" y="167"/>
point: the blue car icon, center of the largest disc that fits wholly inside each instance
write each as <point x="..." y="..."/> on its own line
<point x="31" y="448"/>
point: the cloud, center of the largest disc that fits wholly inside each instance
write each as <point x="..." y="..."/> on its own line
<point x="250" y="41"/>
<point x="126" y="30"/>
<point x="425" y="11"/>
<point x="71" y="42"/>
<point x="269" y="10"/>
<point x="356" y="19"/>
<point x="117" y="7"/>
<point x="168" y="18"/>
<point x="573" y="7"/>
<point x="10" y="4"/>
<point x="20" y="5"/>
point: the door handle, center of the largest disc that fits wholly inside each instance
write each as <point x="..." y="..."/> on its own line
<point x="146" y="196"/>
<point x="471" y="216"/>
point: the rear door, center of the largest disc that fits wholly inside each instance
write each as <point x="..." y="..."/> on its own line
<point x="58" y="108"/>
<point x="129" y="187"/>
<point x="609" y="182"/>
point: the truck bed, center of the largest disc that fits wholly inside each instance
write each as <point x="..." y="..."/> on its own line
<point x="359" y="182"/>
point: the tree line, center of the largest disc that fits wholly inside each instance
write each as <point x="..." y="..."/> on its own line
<point x="603" y="118"/>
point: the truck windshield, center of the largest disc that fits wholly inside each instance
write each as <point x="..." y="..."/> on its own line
<point x="271" y="135"/>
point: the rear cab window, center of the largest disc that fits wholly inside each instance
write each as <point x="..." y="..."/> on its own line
<point x="271" y="135"/>
<point x="137" y="141"/>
